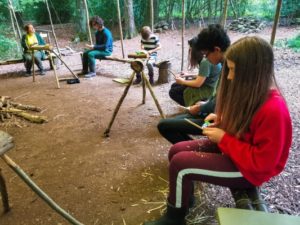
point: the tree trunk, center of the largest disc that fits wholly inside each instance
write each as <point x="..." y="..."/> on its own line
<point x="170" y="9"/>
<point x="182" y="34"/>
<point x="156" y="10"/>
<point x="152" y="14"/>
<point x="129" y="20"/>
<point x="81" y="21"/>
<point x="209" y="12"/>
<point x="224" y="16"/>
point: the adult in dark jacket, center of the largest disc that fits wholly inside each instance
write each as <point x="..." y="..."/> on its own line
<point x="102" y="48"/>
<point x="29" y="39"/>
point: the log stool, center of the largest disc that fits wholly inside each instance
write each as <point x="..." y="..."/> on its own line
<point x="164" y="74"/>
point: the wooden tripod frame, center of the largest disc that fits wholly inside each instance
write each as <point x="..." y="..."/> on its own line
<point x="49" y="48"/>
<point x="138" y="67"/>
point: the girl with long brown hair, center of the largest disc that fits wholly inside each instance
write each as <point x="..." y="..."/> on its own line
<point x="250" y="136"/>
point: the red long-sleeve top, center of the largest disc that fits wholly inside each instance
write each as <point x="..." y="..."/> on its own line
<point x="263" y="151"/>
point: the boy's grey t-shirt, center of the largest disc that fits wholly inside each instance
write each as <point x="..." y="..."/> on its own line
<point x="210" y="71"/>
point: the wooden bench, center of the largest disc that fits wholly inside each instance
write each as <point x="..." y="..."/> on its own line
<point x="45" y="34"/>
<point x="232" y="216"/>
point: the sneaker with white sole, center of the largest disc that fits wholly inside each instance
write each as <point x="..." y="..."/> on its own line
<point x="90" y="74"/>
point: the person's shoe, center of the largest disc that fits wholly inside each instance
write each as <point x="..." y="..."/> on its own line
<point x="27" y="74"/>
<point x="90" y="74"/>
<point x="42" y="72"/>
<point x="137" y="81"/>
<point x="173" y="216"/>
<point x="82" y="73"/>
<point x="257" y="202"/>
<point x="241" y="199"/>
<point x="151" y="81"/>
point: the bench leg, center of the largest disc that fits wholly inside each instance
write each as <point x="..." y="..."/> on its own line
<point x="4" y="194"/>
<point x="53" y="62"/>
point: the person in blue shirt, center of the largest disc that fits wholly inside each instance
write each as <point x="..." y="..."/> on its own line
<point x="102" y="48"/>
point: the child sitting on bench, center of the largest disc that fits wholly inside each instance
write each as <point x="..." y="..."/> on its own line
<point x="150" y="44"/>
<point x="249" y="139"/>
<point x="102" y="48"/>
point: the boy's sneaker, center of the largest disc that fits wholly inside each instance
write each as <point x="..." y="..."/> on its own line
<point x="82" y="73"/>
<point x="151" y="81"/>
<point x="137" y="81"/>
<point x="27" y="74"/>
<point x="42" y="73"/>
<point x="90" y="74"/>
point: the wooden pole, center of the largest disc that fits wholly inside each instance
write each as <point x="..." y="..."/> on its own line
<point x="120" y="27"/>
<point x="39" y="191"/>
<point x="152" y="14"/>
<point x="182" y="35"/>
<point x="87" y="20"/>
<point x="224" y="16"/>
<point x="144" y="90"/>
<point x="33" y="62"/>
<point x="15" y="17"/>
<point x="54" y="69"/>
<point x="52" y="27"/>
<point x="4" y="195"/>
<point x="106" y="133"/>
<point x="64" y="64"/>
<point x="276" y="20"/>
<point x="12" y="23"/>
<point x="153" y="95"/>
<point x="14" y="29"/>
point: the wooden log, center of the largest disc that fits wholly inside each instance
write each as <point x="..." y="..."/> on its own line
<point x="13" y="61"/>
<point x="25" y="107"/>
<point x="25" y="115"/>
<point x="46" y="47"/>
<point x="137" y="56"/>
<point x="114" y="58"/>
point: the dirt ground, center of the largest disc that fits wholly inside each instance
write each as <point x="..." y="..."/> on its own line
<point x="116" y="180"/>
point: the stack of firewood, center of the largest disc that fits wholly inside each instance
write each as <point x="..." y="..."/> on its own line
<point x="9" y="108"/>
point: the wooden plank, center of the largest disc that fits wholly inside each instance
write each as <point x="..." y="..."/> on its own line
<point x="13" y="61"/>
<point x="232" y="216"/>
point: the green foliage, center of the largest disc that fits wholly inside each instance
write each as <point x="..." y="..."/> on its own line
<point x="294" y="43"/>
<point x="80" y="36"/>
<point x="8" y="48"/>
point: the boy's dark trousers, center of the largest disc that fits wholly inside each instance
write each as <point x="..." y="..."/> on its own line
<point x="176" y="93"/>
<point x="177" y="129"/>
<point x="150" y="68"/>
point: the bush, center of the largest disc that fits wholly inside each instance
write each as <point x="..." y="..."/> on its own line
<point x="294" y="43"/>
<point x="8" y="49"/>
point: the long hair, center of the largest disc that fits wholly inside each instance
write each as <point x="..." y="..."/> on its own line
<point x="239" y="99"/>
<point x="195" y="56"/>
